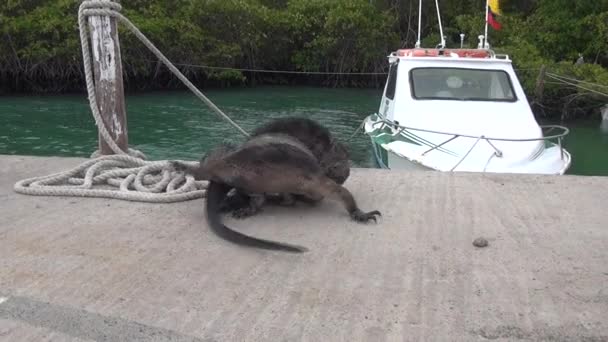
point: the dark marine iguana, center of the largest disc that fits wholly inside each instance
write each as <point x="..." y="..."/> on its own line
<point x="267" y="163"/>
<point x="332" y="155"/>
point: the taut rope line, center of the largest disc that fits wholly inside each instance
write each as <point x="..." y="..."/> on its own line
<point x="135" y="178"/>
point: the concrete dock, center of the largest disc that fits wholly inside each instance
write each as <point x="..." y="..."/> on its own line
<point x="83" y="269"/>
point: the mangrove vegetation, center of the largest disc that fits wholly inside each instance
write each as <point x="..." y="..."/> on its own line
<point x="341" y="43"/>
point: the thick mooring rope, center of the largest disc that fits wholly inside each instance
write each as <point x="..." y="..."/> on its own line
<point x="135" y="178"/>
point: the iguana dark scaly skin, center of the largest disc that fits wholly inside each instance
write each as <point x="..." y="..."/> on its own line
<point x="333" y="158"/>
<point x="267" y="163"/>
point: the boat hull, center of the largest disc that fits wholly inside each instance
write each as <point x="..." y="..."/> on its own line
<point x="389" y="160"/>
<point x="392" y="151"/>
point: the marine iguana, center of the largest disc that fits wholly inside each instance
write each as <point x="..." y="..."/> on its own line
<point x="267" y="163"/>
<point x="332" y="155"/>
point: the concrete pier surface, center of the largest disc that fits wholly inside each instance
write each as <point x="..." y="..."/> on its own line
<point x="83" y="269"/>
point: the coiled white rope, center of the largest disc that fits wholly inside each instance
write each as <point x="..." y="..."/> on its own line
<point x="125" y="176"/>
<point x="120" y="177"/>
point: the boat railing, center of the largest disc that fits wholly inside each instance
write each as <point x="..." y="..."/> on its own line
<point x="559" y="136"/>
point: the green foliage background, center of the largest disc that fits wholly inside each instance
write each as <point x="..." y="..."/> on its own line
<point x="40" y="50"/>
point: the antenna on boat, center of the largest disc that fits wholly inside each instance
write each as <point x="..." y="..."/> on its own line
<point x="419" y="22"/>
<point x="440" y="27"/>
<point x="442" y="37"/>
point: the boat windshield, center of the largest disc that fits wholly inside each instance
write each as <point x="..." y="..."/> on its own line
<point x="461" y="84"/>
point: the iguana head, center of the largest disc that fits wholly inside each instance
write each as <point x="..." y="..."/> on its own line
<point x="336" y="162"/>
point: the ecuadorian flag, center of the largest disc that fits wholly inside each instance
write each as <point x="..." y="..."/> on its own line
<point x="493" y="10"/>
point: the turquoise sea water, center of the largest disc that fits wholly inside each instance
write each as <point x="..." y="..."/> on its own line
<point x="169" y="125"/>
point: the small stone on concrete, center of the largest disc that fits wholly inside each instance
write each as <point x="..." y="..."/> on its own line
<point x="480" y="242"/>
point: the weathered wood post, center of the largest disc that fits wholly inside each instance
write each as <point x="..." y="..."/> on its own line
<point x="107" y="69"/>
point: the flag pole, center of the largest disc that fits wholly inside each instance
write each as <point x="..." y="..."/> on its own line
<point x="485" y="36"/>
<point x="419" y="21"/>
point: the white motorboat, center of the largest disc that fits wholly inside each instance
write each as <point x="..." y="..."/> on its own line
<point x="461" y="110"/>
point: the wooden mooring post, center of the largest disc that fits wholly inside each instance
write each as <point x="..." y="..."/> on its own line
<point x="109" y="89"/>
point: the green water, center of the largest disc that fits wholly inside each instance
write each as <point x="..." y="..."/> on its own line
<point x="176" y="125"/>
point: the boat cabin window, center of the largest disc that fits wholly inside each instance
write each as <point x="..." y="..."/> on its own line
<point x="391" y="83"/>
<point x="461" y="84"/>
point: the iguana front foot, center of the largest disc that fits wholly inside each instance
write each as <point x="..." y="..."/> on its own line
<point x="360" y="216"/>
